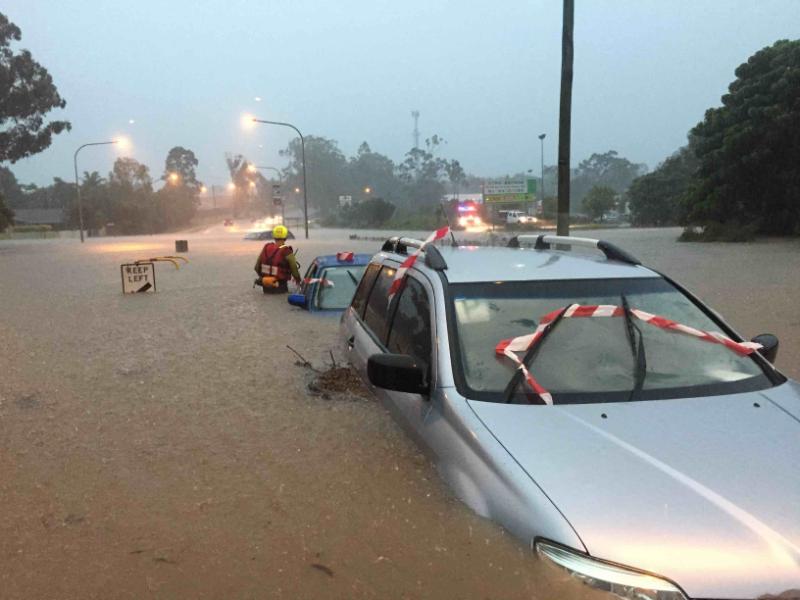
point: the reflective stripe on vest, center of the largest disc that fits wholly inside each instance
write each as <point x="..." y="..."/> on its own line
<point x="277" y="265"/>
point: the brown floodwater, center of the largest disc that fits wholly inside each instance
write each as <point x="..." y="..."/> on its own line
<point x="167" y="445"/>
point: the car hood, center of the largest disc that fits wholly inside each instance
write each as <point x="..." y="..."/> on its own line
<point x="703" y="491"/>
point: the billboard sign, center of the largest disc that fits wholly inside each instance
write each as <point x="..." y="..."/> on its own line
<point x="509" y="191"/>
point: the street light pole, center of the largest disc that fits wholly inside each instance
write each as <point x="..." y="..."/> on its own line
<point x="541" y="153"/>
<point x="77" y="182"/>
<point x="303" y="150"/>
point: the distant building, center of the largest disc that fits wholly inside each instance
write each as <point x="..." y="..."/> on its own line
<point x="39" y="216"/>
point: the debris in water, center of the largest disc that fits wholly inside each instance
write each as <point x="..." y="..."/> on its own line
<point x="328" y="571"/>
<point x="338" y="380"/>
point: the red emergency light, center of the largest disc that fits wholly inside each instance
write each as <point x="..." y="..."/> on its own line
<point x="345" y="256"/>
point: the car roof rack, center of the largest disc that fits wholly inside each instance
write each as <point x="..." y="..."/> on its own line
<point x="400" y="245"/>
<point x="544" y="241"/>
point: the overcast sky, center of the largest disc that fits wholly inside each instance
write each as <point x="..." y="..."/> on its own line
<point x="483" y="74"/>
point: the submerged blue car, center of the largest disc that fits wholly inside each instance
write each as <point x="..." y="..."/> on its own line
<point x="330" y="282"/>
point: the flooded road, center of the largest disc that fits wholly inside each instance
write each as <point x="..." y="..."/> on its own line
<point x="166" y="446"/>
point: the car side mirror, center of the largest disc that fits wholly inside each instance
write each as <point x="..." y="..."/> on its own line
<point x="398" y="372"/>
<point x="770" y="346"/>
<point x="298" y="300"/>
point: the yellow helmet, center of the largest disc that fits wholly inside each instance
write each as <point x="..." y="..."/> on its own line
<point x="280" y="232"/>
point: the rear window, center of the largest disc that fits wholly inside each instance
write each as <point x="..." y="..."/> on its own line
<point x="378" y="304"/>
<point x="337" y="286"/>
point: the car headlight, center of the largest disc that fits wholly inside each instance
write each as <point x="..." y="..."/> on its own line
<point x="575" y="573"/>
<point x="462" y="221"/>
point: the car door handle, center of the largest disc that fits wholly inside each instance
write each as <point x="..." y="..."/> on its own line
<point x="351" y="342"/>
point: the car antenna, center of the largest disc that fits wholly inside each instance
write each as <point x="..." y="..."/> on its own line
<point x="450" y="227"/>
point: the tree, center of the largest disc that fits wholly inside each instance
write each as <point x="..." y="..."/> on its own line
<point x="133" y="207"/>
<point x="376" y="171"/>
<point x="608" y="170"/>
<point x="370" y="213"/>
<point x="95" y="201"/>
<point x="177" y="200"/>
<point x="657" y="198"/>
<point x="181" y="162"/>
<point x="422" y="173"/>
<point x="599" y="201"/>
<point x="27" y="94"/>
<point x="749" y="148"/>
<point x="455" y="173"/>
<point x="6" y="214"/>
<point x="326" y="168"/>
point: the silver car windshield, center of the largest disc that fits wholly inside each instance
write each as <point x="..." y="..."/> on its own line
<point x="590" y="359"/>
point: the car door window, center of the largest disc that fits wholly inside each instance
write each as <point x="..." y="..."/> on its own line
<point x="309" y="274"/>
<point x="376" y="315"/>
<point x="364" y="288"/>
<point x="411" y="326"/>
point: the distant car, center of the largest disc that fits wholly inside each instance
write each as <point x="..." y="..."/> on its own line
<point x="330" y="282"/>
<point x="228" y="222"/>
<point x="264" y="235"/>
<point x="596" y="409"/>
<point x="514" y="217"/>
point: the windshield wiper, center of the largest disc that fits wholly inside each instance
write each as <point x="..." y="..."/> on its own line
<point x="636" y="349"/>
<point x="508" y="393"/>
<point x="353" y="277"/>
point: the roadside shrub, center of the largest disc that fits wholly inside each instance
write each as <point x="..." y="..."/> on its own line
<point x="32" y="228"/>
<point x="720" y="232"/>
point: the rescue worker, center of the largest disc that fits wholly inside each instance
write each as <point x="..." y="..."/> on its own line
<point x="277" y="264"/>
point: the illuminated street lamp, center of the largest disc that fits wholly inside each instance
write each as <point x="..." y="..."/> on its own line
<point x="367" y="190"/>
<point x="203" y="189"/>
<point x="231" y="186"/>
<point x="121" y="141"/>
<point x="296" y="190"/>
<point x="174" y="178"/>
<point x="303" y="150"/>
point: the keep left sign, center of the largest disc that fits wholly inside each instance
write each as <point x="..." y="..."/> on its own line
<point x="138" y="277"/>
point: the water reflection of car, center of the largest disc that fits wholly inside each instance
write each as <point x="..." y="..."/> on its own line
<point x="330" y="282"/>
<point x="264" y="235"/>
<point x="592" y="407"/>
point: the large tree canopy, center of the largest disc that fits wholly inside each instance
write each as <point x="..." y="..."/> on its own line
<point x="27" y="94"/>
<point x="749" y="148"/>
<point x="657" y="198"/>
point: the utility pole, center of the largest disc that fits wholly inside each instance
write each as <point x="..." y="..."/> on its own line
<point x="415" y="114"/>
<point x="565" y="118"/>
<point x="541" y="154"/>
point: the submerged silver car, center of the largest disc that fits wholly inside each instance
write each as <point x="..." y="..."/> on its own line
<point x="643" y="451"/>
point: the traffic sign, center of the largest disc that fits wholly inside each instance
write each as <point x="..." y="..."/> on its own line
<point x="138" y="277"/>
<point x="509" y="191"/>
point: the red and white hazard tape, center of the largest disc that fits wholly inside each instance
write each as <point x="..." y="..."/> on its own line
<point x="523" y="343"/>
<point x="320" y="280"/>
<point x="399" y="276"/>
